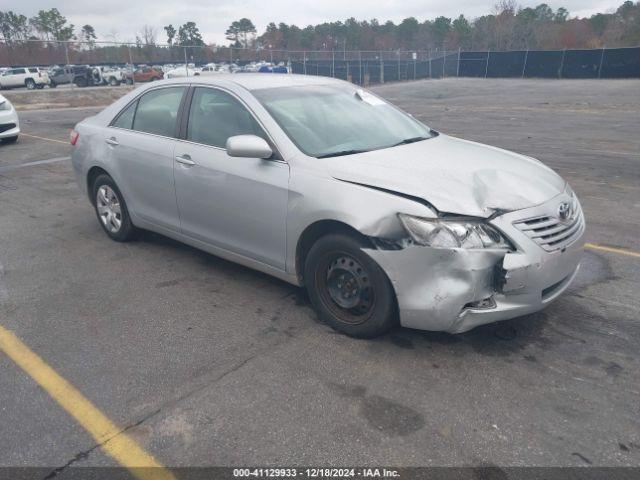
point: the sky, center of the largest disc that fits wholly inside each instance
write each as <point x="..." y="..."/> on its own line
<point x="122" y="20"/>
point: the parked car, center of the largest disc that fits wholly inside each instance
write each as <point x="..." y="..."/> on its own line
<point x="192" y="72"/>
<point x="9" y="124"/>
<point x="273" y="69"/>
<point x="328" y="186"/>
<point x="60" y="76"/>
<point x="144" y="74"/>
<point x="80" y="75"/>
<point x="182" y="72"/>
<point x="209" y="70"/>
<point x="112" y="76"/>
<point x="30" y="77"/>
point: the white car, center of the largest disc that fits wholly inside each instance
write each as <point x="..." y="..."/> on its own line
<point x="111" y="76"/>
<point x="209" y="70"/>
<point x="181" y="72"/>
<point x="30" y="77"/>
<point x="9" y="125"/>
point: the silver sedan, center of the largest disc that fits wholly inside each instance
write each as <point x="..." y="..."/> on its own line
<point x="328" y="186"/>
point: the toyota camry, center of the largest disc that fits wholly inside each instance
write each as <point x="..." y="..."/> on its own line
<point x="325" y="185"/>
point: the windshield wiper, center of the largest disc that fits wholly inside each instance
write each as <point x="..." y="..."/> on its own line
<point x="341" y="153"/>
<point x="410" y="140"/>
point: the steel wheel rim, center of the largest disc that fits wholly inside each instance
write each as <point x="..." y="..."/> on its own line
<point x="345" y="288"/>
<point x="109" y="209"/>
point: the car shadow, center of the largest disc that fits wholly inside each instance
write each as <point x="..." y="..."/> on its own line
<point x="500" y="339"/>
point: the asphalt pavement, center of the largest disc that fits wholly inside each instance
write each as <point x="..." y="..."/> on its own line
<point x="204" y="362"/>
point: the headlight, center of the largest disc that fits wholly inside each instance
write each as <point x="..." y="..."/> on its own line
<point x="5" y="105"/>
<point x="443" y="233"/>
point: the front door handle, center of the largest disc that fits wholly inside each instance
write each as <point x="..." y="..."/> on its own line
<point x="185" y="160"/>
<point x="112" y="141"/>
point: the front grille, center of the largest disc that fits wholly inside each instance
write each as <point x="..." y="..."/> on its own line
<point x="7" y="126"/>
<point x="551" y="233"/>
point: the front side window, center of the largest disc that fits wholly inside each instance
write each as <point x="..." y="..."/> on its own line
<point x="327" y="120"/>
<point x="157" y="111"/>
<point x="215" y="116"/>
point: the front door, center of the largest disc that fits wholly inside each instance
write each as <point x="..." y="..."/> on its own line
<point x="238" y="204"/>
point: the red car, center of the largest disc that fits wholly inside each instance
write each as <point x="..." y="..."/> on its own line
<point x="145" y="74"/>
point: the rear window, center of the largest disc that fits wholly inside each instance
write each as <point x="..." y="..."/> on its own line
<point x="125" y="119"/>
<point x="157" y="111"/>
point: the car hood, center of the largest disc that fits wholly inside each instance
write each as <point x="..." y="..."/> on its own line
<point x="454" y="175"/>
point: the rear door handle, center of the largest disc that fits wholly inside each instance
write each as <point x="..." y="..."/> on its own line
<point x="112" y="141"/>
<point x="185" y="160"/>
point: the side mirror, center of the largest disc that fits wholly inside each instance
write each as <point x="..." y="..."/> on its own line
<point x="248" y="146"/>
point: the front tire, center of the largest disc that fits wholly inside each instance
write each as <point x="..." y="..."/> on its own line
<point x="348" y="289"/>
<point x="30" y="84"/>
<point x="111" y="210"/>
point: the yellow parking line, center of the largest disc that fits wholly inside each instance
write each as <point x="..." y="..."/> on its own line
<point x="620" y="251"/>
<point x="110" y="438"/>
<point x="43" y="138"/>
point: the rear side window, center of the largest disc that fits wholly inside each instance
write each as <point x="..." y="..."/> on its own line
<point x="125" y="119"/>
<point x="215" y="116"/>
<point x="157" y="111"/>
<point x="33" y="70"/>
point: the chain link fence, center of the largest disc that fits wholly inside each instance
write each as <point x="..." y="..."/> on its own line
<point x="361" y="67"/>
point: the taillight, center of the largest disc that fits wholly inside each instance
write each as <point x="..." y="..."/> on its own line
<point x="73" y="137"/>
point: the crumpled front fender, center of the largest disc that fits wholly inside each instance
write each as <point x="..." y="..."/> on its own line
<point x="433" y="285"/>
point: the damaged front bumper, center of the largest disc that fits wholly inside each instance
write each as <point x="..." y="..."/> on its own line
<point x="455" y="290"/>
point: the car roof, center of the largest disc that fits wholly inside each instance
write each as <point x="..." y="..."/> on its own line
<point x="259" y="81"/>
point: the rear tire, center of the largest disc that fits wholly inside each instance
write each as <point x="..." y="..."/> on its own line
<point x="111" y="209"/>
<point x="348" y="289"/>
<point x="80" y="82"/>
<point x="113" y="82"/>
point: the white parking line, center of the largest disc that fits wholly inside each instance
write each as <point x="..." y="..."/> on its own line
<point x="7" y="168"/>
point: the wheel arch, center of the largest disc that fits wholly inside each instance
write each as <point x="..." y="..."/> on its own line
<point x="93" y="173"/>
<point x="315" y="231"/>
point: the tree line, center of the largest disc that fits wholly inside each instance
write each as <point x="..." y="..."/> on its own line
<point x="507" y="27"/>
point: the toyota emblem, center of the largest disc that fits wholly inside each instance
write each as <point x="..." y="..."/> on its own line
<point x="564" y="211"/>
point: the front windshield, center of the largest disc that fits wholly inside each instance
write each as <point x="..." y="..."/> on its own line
<point x="330" y="120"/>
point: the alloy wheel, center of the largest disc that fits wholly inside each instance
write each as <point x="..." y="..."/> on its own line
<point x="109" y="209"/>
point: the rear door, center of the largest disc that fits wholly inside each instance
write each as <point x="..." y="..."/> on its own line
<point x="238" y="204"/>
<point x="17" y="77"/>
<point x="142" y="141"/>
